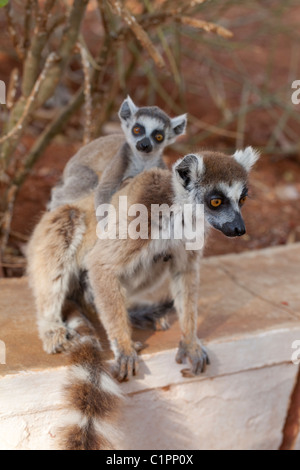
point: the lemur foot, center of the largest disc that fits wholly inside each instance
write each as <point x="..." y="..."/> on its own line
<point x="127" y="363"/>
<point x="58" y="339"/>
<point x="162" y="324"/>
<point x="197" y="356"/>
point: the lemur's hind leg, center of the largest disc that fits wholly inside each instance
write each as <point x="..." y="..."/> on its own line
<point x="52" y="270"/>
<point x="79" y="183"/>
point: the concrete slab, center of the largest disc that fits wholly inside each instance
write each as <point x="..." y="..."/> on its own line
<point x="249" y="312"/>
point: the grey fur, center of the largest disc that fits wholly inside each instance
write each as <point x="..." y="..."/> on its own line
<point x="131" y="160"/>
<point x="74" y="187"/>
<point x="80" y="176"/>
<point x="154" y="113"/>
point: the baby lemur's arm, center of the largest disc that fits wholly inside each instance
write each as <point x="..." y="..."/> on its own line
<point x="112" y="176"/>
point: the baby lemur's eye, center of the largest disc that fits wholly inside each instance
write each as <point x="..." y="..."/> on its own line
<point x="137" y="130"/>
<point x="159" y="137"/>
<point x="216" y="202"/>
<point x="243" y="200"/>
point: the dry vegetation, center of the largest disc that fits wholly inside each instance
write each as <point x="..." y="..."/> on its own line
<point x="47" y="38"/>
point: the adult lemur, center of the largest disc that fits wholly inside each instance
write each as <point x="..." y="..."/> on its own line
<point x="148" y="131"/>
<point x="65" y="243"/>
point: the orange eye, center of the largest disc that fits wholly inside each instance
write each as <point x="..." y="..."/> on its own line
<point x="136" y="130"/>
<point x="243" y="200"/>
<point x="159" y="137"/>
<point x="216" y="202"/>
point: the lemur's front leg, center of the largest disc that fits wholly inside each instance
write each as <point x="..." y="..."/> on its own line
<point x="185" y="284"/>
<point x="110" y="302"/>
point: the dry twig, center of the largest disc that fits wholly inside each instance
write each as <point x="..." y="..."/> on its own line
<point x="30" y="102"/>
<point x="87" y="93"/>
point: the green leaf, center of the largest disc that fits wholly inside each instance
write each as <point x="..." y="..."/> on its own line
<point x="3" y="3"/>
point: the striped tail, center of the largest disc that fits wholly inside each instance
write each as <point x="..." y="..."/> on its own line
<point x="92" y="396"/>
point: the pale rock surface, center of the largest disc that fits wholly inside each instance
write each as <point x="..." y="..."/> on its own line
<point x="249" y="312"/>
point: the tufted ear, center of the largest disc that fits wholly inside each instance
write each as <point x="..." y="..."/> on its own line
<point x="188" y="169"/>
<point x="127" y="110"/>
<point x="179" y="125"/>
<point x="247" y="158"/>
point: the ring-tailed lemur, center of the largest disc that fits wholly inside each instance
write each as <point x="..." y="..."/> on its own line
<point x="148" y="131"/>
<point x="64" y="243"/>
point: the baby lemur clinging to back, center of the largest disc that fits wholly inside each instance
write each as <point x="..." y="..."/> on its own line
<point x="147" y="132"/>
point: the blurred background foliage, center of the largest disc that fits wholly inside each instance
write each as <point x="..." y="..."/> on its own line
<point x="68" y="64"/>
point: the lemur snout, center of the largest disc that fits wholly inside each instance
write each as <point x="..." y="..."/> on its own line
<point x="236" y="228"/>
<point x="240" y="231"/>
<point x="144" y="145"/>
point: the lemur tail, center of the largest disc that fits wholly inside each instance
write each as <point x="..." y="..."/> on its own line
<point x="92" y="396"/>
<point x="151" y="316"/>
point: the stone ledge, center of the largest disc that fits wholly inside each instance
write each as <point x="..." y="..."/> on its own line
<point x="249" y="318"/>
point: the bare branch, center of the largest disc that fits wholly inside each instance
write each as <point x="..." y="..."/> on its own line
<point x="206" y="26"/>
<point x="87" y="93"/>
<point x="38" y="43"/>
<point x="7" y="218"/>
<point x="27" y="24"/>
<point x="12" y="29"/>
<point x="45" y="138"/>
<point x="138" y="31"/>
<point x="12" y="88"/>
<point x="102" y="11"/>
<point x="30" y="103"/>
<point x="69" y="40"/>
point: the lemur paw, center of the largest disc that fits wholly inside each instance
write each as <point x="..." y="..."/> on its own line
<point x="58" y="339"/>
<point x="197" y="356"/>
<point x="127" y="363"/>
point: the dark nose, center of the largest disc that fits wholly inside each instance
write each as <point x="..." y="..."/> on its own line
<point x="236" y="228"/>
<point x="240" y="231"/>
<point x="144" y="145"/>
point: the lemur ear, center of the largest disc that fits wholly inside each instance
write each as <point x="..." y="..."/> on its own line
<point x="179" y="125"/>
<point x="190" y="168"/>
<point x="128" y="109"/>
<point x="247" y="158"/>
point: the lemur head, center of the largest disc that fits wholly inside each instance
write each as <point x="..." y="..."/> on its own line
<point x="149" y="130"/>
<point x="220" y="182"/>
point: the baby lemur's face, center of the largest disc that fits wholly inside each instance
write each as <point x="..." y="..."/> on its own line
<point x="220" y="183"/>
<point x="149" y="130"/>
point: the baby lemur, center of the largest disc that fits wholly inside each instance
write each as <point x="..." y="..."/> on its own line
<point x="64" y="244"/>
<point x="147" y="132"/>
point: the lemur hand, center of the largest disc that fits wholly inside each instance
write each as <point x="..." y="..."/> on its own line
<point x="127" y="362"/>
<point x="197" y="356"/>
